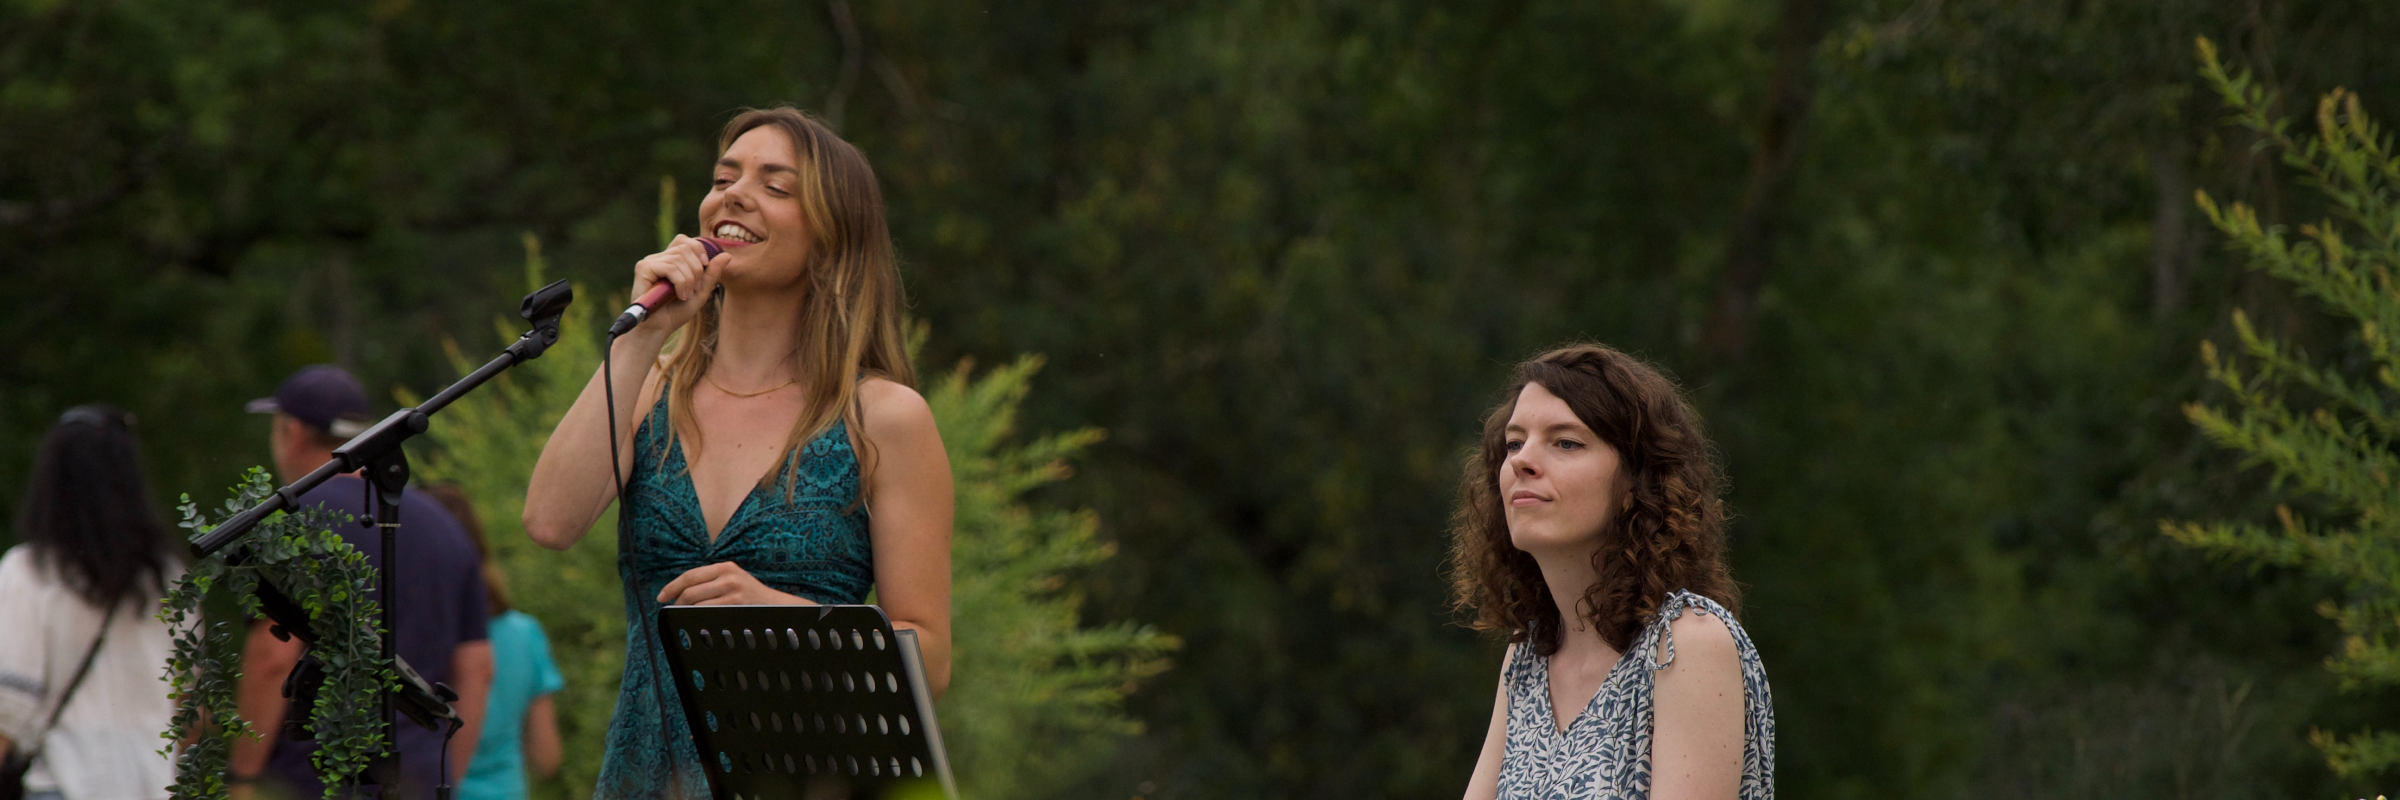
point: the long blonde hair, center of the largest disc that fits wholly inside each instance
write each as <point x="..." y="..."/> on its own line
<point x="850" y="317"/>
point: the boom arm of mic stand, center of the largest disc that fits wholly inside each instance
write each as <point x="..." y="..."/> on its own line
<point x="401" y="425"/>
<point x="284" y="499"/>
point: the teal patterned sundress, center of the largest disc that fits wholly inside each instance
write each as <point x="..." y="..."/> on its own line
<point x="813" y="544"/>
<point x="1605" y="752"/>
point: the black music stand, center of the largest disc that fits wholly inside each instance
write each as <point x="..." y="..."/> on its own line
<point x="814" y="702"/>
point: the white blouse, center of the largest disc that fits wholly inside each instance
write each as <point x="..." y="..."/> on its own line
<point x="107" y="743"/>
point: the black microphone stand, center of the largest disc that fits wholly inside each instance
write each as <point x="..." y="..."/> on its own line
<point x="377" y="451"/>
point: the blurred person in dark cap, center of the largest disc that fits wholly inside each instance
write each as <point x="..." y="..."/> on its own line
<point x="443" y="621"/>
<point x="322" y="399"/>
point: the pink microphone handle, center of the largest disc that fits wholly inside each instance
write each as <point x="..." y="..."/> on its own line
<point x="660" y="291"/>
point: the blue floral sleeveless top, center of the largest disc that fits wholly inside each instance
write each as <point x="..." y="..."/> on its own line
<point x="813" y="544"/>
<point x="1605" y="753"/>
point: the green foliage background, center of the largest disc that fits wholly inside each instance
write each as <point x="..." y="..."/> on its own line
<point x="1281" y="253"/>
<point x="2325" y="431"/>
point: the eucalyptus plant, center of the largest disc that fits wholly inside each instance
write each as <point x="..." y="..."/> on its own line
<point x="301" y="555"/>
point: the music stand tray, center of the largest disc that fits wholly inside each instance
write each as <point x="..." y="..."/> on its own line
<point x="813" y="702"/>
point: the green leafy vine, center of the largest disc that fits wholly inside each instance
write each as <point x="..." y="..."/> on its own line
<point x="300" y="554"/>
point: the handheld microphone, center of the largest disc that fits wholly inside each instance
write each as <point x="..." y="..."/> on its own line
<point x="654" y="298"/>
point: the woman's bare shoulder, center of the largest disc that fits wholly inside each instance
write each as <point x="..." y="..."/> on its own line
<point x="1705" y="640"/>
<point x="893" y="408"/>
<point x="878" y="389"/>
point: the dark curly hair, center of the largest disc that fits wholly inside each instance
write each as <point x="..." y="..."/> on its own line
<point x="1670" y="534"/>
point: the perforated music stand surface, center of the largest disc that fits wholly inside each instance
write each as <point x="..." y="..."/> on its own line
<point x="804" y="701"/>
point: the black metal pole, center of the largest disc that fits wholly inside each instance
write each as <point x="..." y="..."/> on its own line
<point x="387" y="518"/>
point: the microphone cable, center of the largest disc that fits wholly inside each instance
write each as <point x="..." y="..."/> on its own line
<point x="608" y="388"/>
<point x="616" y="470"/>
<point x="441" y="791"/>
<point x="608" y="381"/>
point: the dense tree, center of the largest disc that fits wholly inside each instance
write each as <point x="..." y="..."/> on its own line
<point x="1282" y="253"/>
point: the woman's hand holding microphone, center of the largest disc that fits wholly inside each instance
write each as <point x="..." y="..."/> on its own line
<point x="691" y="268"/>
<point x="688" y="269"/>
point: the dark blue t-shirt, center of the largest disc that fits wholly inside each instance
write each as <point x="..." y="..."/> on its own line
<point x="442" y="605"/>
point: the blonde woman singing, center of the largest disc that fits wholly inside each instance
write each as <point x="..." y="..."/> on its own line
<point x="776" y="453"/>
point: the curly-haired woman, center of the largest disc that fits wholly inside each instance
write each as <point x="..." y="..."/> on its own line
<point x="1589" y="529"/>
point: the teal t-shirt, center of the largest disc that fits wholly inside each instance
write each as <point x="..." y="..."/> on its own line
<point x="521" y="672"/>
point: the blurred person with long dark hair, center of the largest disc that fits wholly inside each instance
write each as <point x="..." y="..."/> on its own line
<point x="79" y="596"/>
<point x="520" y="724"/>
<point x="776" y="454"/>
<point x="1589" y="530"/>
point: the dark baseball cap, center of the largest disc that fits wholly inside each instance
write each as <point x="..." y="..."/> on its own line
<point x="325" y="396"/>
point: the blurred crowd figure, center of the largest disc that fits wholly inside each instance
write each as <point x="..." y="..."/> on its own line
<point x="442" y="610"/>
<point x="80" y="694"/>
<point x="82" y="703"/>
<point x="520" y="728"/>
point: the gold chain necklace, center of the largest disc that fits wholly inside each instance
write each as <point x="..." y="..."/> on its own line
<point x="712" y="381"/>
